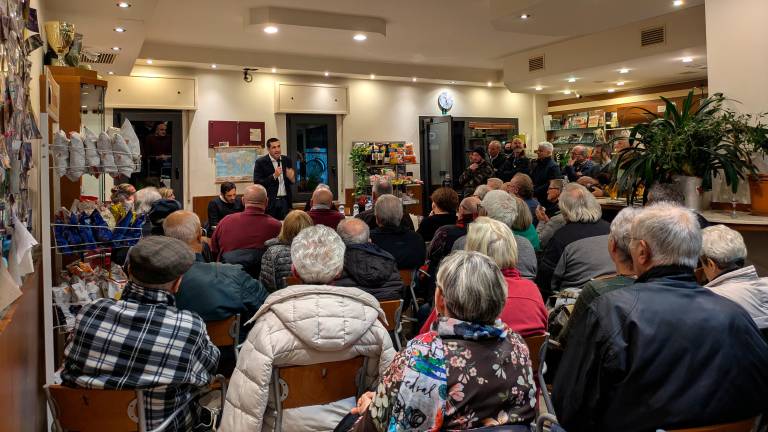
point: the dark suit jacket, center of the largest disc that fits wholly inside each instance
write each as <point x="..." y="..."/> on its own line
<point x="263" y="174"/>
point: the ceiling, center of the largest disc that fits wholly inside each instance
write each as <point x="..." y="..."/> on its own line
<point x="456" y="40"/>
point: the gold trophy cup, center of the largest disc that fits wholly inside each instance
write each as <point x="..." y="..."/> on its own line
<point x="60" y="36"/>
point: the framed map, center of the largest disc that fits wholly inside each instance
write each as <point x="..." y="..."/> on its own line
<point x="235" y="164"/>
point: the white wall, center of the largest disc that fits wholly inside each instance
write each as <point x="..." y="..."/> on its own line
<point x="379" y="110"/>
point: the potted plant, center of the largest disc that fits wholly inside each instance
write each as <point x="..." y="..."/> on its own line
<point x="689" y="146"/>
<point x="358" y="159"/>
<point x="750" y="131"/>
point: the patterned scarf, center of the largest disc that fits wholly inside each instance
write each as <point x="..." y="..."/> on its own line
<point x="420" y="404"/>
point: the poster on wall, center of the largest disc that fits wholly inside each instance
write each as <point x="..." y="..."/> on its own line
<point x="235" y="164"/>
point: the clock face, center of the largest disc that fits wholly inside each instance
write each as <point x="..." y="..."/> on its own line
<point x="445" y="101"/>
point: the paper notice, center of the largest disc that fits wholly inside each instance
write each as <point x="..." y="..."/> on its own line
<point x="20" y="256"/>
<point x="9" y="289"/>
<point x="255" y="135"/>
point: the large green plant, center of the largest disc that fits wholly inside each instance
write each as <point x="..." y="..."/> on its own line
<point x="358" y="159"/>
<point x="702" y="139"/>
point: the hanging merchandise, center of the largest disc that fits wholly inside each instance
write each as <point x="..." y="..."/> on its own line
<point x="60" y="150"/>
<point x="133" y="143"/>
<point x="76" y="157"/>
<point x="104" y="146"/>
<point x="92" y="159"/>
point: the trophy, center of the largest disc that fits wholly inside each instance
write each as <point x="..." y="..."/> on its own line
<point x="60" y="36"/>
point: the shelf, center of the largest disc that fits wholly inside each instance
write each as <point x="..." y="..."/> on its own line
<point x="619" y="128"/>
<point x="390" y="165"/>
<point x="575" y="129"/>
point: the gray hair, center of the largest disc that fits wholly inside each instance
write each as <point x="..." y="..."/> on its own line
<point x="671" y="232"/>
<point x="354" y="231"/>
<point x="317" y="254"/>
<point x="383" y="187"/>
<point x="557" y="183"/>
<point x="666" y="192"/>
<point x="724" y="246"/>
<point x="481" y="190"/>
<point x="524" y="217"/>
<point x="182" y="225"/>
<point x="388" y="210"/>
<point x="621" y="228"/>
<point x="579" y="205"/>
<point x="144" y="198"/>
<point x="494" y="183"/>
<point x="473" y="286"/>
<point x="500" y="206"/>
<point x="546" y="145"/>
<point x="494" y="239"/>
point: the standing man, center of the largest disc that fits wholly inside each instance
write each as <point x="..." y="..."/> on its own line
<point x="517" y="161"/>
<point x="496" y="158"/>
<point x="579" y="165"/>
<point x="543" y="170"/>
<point x="478" y="172"/>
<point x="274" y="171"/>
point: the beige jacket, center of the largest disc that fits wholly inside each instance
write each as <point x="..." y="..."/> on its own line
<point x="745" y="288"/>
<point x="299" y="325"/>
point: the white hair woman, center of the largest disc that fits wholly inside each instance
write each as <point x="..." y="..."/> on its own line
<point x="524" y="310"/>
<point x="466" y="367"/>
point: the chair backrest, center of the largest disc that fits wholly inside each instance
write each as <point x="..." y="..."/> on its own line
<point x="292" y="280"/>
<point x="86" y="410"/>
<point x="407" y="276"/>
<point x="250" y="259"/>
<point x="224" y="332"/>
<point x="739" y="426"/>
<point x="319" y="383"/>
<point x="534" y="348"/>
<point x="392" y="309"/>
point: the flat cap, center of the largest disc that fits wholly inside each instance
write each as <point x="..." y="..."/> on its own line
<point x="159" y="260"/>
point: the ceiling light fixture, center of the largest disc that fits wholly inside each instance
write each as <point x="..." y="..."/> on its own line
<point x="111" y="73"/>
<point x="413" y="79"/>
<point x="571" y="80"/>
<point x="120" y="29"/>
<point x="677" y="3"/>
<point x="115" y="48"/>
<point x="453" y="82"/>
<point x="327" y="73"/>
<point x="623" y="70"/>
<point x="149" y="61"/>
<point x="270" y="29"/>
<point x="490" y="84"/>
<point x="620" y="83"/>
<point x="525" y="16"/>
<point x="687" y="59"/>
<point x="274" y="70"/>
<point x="539" y="88"/>
<point x="123" y="5"/>
<point x="359" y="37"/>
<point x="373" y="76"/>
<point x="84" y="106"/>
<point x="214" y="66"/>
<point x="611" y="90"/>
<point x="567" y="92"/>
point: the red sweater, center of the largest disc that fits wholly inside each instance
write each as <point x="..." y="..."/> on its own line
<point x="246" y="230"/>
<point x="327" y="217"/>
<point x="524" y="311"/>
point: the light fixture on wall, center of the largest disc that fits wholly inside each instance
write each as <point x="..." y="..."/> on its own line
<point x="247" y="77"/>
<point x="270" y="29"/>
<point x="149" y="61"/>
<point x="687" y="59"/>
<point x="525" y="16"/>
<point x="120" y="29"/>
<point x="123" y="5"/>
<point x="623" y="70"/>
<point x="359" y="37"/>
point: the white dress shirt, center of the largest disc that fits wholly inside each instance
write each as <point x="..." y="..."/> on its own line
<point x="281" y="188"/>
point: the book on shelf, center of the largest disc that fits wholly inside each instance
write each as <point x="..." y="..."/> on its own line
<point x="580" y="120"/>
<point x="611" y="119"/>
<point x="594" y="118"/>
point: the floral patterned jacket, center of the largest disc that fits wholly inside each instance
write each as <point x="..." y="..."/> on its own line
<point x="458" y="376"/>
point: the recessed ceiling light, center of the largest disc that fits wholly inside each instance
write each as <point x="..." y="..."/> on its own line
<point x="115" y="48"/>
<point x="525" y="16"/>
<point x="214" y="66"/>
<point x="571" y="79"/>
<point x="611" y="90"/>
<point x="539" y="88"/>
<point x="85" y="93"/>
<point x="149" y="61"/>
<point x="623" y="70"/>
<point x="453" y="82"/>
<point x="274" y="70"/>
<point x="84" y="106"/>
<point x="567" y="92"/>
<point x="687" y="59"/>
<point x="270" y="29"/>
<point x="490" y="84"/>
<point x="677" y="3"/>
<point x="413" y="79"/>
<point x="111" y="73"/>
<point x="120" y="29"/>
<point x="373" y="76"/>
<point x="327" y="73"/>
<point x="359" y="37"/>
<point x="620" y="83"/>
<point x="123" y="5"/>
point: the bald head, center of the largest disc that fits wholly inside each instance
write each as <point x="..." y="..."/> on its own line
<point x="468" y="205"/>
<point x="354" y="231"/>
<point x="255" y="196"/>
<point x="185" y="226"/>
<point x="323" y="197"/>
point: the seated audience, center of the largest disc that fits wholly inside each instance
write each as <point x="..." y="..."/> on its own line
<point x="522" y="186"/>
<point x="550" y="221"/>
<point x="222" y="206"/>
<point x="322" y="213"/>
<point x="579" y="164"/>
<point x="126" y="344"/>
<point x="500" y="206"/>
<point x="160" y="210"/>
<point x="494" y="183"/>
<point x="383" y="187"/>
<point x="303" y="325"/>
<point x="276" y="261"/>
<point x="480" y="191"/>
<point x="405" y="245"/>
<point x="663" y="353"/>
<point x="167" y="193"/>
<point x="523" y="224"/>
<point x="524" y="311"/>
<point x="144" y="198"/>
<point x="618" y="248"/>
<point x="308" y="204"/>
<point x="477" y="173"/>
<point x="122" y="200"/>
<point x="248" y="229"/>
<point x="577" y="251"/>
<point x="367" y="266"/>
<point x="468" y="372"/>
<point x="445" y="236"/>
<point x="723" y="256"/>
<point x="670" y="193"/>
<point x="444" y="203"/>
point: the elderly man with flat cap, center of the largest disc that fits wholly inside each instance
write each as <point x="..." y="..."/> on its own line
<point x="144" y="341"/>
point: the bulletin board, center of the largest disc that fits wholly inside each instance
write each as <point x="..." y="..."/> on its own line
<point x="224" y="133"/>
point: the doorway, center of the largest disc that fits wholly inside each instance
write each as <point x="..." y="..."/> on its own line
<point x="312" y="150"/>
<point x="162" y="152"/>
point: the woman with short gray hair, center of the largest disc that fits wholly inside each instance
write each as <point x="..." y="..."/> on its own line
<point x="462" y="365"/>
<point x="317" y="254"/>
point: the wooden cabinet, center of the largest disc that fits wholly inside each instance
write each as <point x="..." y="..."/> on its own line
<point x="152" y="92"/>
<point x="311" y="99"/>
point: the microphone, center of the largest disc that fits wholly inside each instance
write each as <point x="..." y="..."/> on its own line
<point x="278" y="160"/>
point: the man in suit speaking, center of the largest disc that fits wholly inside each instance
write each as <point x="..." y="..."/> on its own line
<point x="274" y="172"/>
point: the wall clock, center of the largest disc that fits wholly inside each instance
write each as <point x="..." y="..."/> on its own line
<point x="445" y="102"/>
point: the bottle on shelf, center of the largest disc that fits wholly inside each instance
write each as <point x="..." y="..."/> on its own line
<point x="355" y="210"/>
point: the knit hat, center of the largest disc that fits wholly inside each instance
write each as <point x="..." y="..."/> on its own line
<point x="160" y="210"/>
<point x="479" y="150"/>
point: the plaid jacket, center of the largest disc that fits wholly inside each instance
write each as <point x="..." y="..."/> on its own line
<point x="469" y="179"/>
<point x="142" y="341"/>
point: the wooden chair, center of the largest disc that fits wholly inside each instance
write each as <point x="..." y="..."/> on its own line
<point x="292" y="280"/>
<point x="393" y="310"/>
<point x="92" y="410"/>
<point x="534" y="349"/>
<point x="739" y="426"/>
<point x="317" y="384"/>
<point x="407" y="276"/>
<point x="226" y="332"/>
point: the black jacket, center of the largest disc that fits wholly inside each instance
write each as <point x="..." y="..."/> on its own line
<point x="497" y="163"/>
<point x="263" y="174"/>
<point x="542" y="171"/>
<point x="405" y="245"/>
<point x="661" y="353"/>
<point x="513" y="166"/>
<point x="430" y="224"/>
<point x="218" y="208"/>
<point x="369" y="217"/>
<point x="373" y="270"/>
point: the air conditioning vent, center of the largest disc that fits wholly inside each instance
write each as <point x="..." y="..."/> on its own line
<point x="98" y="58"/>
<point x="536" y="63"/>
<point x="653" y="36"/>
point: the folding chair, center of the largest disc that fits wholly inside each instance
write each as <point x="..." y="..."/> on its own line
<point x="534" y="349"/>
<point x="94" y="410"/>
<point x="226" y="332"/>
<point x="317" y="384"/>
<point x="393" y="310"/>
<point x="540" y="377"/>
<point x="291" y="280"/>
<point x="739" y="426"/>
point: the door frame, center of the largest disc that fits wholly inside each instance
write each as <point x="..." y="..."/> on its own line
<point x="176" y="119"/>
<point x="330" y="120"/>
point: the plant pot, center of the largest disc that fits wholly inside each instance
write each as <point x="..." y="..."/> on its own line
<point x="691" y="190"/>
<point x="758" y="194"/>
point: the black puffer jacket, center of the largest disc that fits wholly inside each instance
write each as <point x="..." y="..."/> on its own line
<point x="373" y="270"/>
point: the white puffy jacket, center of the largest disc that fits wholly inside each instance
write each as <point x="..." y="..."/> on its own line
<point x="299" y="325"/>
